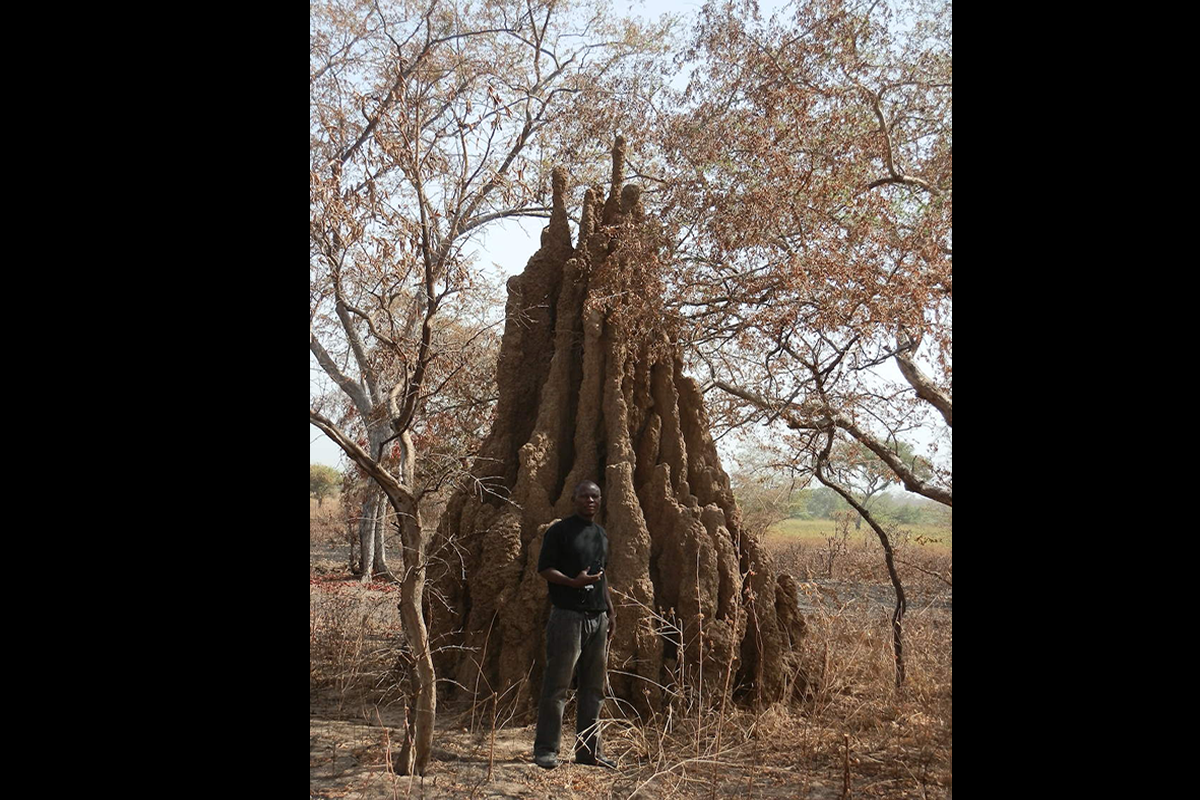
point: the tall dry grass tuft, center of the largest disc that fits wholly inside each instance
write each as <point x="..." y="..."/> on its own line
<point x="354" y="629"/>
<point x="899" y="739"/>
<point x="850" y="731"/>
<point x="353" y="640"/>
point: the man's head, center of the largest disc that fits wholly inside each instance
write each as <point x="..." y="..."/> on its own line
<point x="587" y="499"/>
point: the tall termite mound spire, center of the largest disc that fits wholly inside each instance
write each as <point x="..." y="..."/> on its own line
<point x="591" y="388"/>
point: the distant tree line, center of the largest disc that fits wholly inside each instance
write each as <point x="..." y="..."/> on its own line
<point x="768" y="495"/>
<point x="822" y="502"/>
<point x="767" y="502"/>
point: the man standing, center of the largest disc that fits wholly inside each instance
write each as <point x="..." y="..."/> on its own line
<point x="573" y="558"/>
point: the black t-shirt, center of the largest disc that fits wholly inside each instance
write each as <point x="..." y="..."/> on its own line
<point x="570" y="546"/>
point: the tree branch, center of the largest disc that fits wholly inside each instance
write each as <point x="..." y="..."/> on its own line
<point x="483" y="219"/>
<point x="347" y="384"/>
<point x="815" y="416"/>
<point x="926" y="389"/>
<point x="400" y="496"/>
<point x="911" y="482"/>
<point x="929" y="572"/>
<point x="894" y="175"/>
<point x="356" y="344"/>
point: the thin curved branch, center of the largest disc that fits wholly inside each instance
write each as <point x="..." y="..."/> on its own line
<point x="906" y="179"/>
<point x="894" y="175"/>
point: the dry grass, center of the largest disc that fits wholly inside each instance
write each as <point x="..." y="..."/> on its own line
<point x="900" y="740"/>
<point x="354" y="628"/>
<point x="931" y="537"/>
<point x="853" y="733"/>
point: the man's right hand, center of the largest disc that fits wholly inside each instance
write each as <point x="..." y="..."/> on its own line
<point x="584" y="579"/>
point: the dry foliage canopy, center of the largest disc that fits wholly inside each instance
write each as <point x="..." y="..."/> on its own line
<point x="810" y="200"/>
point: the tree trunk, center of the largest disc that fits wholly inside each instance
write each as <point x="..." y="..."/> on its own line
<point x="381" y="566"/>
<point x="355" y="557"/>
<point x="412" y="591"/>
<point x="366" y="532"/>
<point x="584" y="395"/>
<point x="372" y="540"/>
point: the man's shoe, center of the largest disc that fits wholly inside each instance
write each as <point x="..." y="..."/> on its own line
<point x="546" y="760"/>
<point x="598" y="761"/>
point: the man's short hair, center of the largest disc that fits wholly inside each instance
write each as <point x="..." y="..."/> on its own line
<point x="582" y="484"/>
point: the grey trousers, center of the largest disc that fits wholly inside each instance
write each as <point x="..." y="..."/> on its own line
<point x="572" y="639"/>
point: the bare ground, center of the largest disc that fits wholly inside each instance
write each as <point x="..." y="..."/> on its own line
<point x="349" y="758"/>
<point x="885" y="744"/>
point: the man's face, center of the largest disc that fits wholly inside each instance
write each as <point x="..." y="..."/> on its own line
<point x="587" y="500"/>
